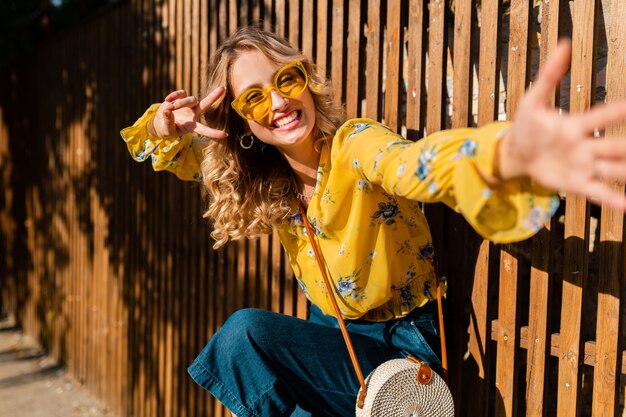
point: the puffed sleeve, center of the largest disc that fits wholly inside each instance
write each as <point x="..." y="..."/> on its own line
<point x="446" y="167"/>
<point x="178" y="155"/>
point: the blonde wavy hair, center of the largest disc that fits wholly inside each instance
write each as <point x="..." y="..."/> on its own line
<point x="251" y="190"/>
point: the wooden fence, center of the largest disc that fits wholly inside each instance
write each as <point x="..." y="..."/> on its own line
<point x="109" y="265"/>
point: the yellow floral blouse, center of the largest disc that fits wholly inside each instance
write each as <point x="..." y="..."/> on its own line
<point x="372" y="233"/>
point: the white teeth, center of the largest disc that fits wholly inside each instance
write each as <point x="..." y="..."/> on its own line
<point x="288" y="119"/>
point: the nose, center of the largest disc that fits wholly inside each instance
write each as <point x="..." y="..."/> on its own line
<point x="278" y="102"/>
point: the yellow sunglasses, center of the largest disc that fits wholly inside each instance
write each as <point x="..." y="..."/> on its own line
<point x="255" y="103"/>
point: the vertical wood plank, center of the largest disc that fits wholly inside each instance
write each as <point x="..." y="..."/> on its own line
<point x="606" y="374"/>
<point x="576" y="223"/>
<point x="372" y="65"/>
<point x="275" y="274"/>
<point x="124" y="231"/>
<point x="436" y="68"/>
<point x="213" y="27"/>
<point x="256" y="11"/>
<point x="179" y="37"/>
<point x="223" y="20"/>
<point x="488" y="79"/>
<point x="508" y="311"/>
<point x="168" y="382"/>
<point x="252" y="273"/>
<point x="264" y="272"/>
<point x="392" y="67"/>
<point x="267" y="14"/>
<point x="540" y="281"/>
<point x="308" y="13"/>
<point x="294" y="23"/>
<point x="415" y="74"/>
<point x="462" y="75"/>
<point x="462" y="88"/>
<point x="242" y="278"/>
<point x="196" y="54"/>
<point x="322" y="38"/>
<point x="244" y="12"/>
<point x="233" y="19"/>
<point x="279" y="12"/>
<point x="337" y="49"/>
<point x="489" y="62"/>
<point x="353" y="49"/>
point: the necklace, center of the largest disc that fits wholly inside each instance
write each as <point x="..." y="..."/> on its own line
<point x="304" y="196"/>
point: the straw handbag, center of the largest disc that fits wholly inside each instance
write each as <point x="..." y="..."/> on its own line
<point x="398" y="387"/>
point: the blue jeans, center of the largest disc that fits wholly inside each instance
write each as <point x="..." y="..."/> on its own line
<point x="267" y="364"/>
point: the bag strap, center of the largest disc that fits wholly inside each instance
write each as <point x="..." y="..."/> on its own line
<point x="329" y="287"/>
<point x="346" y="337"/>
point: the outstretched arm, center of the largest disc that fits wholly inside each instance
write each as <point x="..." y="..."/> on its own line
<point x="560" y="151"/>
<point x="170" y="135"/>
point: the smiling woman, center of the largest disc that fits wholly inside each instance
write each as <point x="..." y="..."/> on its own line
<point x="273" y="141"/>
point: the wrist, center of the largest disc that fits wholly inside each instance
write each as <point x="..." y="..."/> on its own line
<point x="507" y="164"/>
<point x="150" y="127"/>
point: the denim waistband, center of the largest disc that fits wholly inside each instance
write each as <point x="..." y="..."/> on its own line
<point x="429" y="309"/>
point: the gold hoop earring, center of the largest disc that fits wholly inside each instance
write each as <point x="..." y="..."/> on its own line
<point x="248" y="145"/>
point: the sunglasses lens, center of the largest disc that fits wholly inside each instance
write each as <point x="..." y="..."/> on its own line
<point x="255" y="103"/>
<point x="291" y="81"/>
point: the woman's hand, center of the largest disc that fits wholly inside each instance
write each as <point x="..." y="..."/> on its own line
<point x="179" y="114"/>
<point x="561" y="152"/>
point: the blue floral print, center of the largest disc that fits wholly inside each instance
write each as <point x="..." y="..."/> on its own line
<point x="535" y="219"/>
<point x="326" y="197"/>
<point x="358" y="128"/>
<point x="426" y="290"/>
<point x="175" y="159"/>
<point x="468" y="147"/>
<point x="148" y="150"/>
<point x="410" y="221"/>
<point x="363" y="185"/>
<point x="401" y="143"/>
<point x="318" y="231"/>
<point x="425" y="162"/>
<point x="387" y="212"/>
<point x="376" y="161"/>
<point x="401" y="170"/>
<point x="347" y="286"/>
<point x="537" y="216"/>
<point x="359" y="168"/>
<point x="427" y="252"/>
<point x="296" y="219"/>
<point x="405" y="295"/>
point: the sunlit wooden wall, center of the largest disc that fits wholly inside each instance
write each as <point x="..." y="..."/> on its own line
<point x="110" y="265"/>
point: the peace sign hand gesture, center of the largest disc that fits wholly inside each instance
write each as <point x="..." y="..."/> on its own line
<point x="561" y="152"/>
<point x="179" y="114"/>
